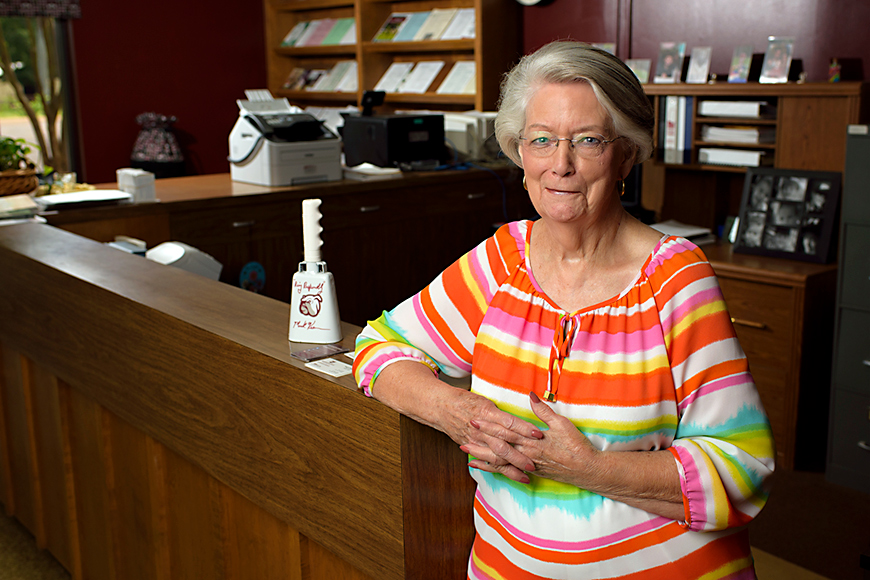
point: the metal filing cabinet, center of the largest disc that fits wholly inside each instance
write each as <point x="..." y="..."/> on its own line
<point x="849" y="438"/>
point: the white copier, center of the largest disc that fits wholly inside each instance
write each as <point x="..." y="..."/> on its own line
<point x="275" y="144"/>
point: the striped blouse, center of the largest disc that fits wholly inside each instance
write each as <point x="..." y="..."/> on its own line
<point x="657" y="367"/>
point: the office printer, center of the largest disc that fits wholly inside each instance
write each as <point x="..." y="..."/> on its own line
<point x="406" y="141"/>
<point x="275" y="144"/>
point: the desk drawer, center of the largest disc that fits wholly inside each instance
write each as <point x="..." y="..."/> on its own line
<point x="856" y="266"/>
<point x="763" y="317"/>
<point x="852" y="367"/>
<point x="236" y="223"/>
<point x="850" y="433"/>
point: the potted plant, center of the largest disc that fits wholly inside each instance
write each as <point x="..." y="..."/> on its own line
<point x="17" y="171"/>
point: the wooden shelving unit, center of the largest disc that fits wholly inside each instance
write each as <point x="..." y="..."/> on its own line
<point x="811" y="121"/>
<point x="494" y="49"/>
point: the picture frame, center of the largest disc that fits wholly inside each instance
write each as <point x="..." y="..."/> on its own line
<point x="669" y="67"/>
<point x="777" y="59"/>
<point x="741" y="62"/>
<point x="699" y="65"/>
<point x="640" y="67"/>
<point x="789" y="213"/>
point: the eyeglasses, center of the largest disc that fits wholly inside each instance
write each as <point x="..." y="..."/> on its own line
<point x="585" y="145"/>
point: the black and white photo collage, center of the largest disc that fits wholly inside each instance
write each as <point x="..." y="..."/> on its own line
<point x="786" y="213"/>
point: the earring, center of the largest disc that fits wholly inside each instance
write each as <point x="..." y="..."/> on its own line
<point x="621" y="188"/>
<point x="526" y="187"/>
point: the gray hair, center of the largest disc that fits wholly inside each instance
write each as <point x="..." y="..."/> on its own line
<point x="613" y="83"/>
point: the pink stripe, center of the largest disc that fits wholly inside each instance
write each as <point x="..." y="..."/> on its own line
<point x="477" y="268"/>
<point x="711" y="295"/>
<point x="692" y="488"/>
<point x="442" y="347"/>
<point x="713" y="386"/>
<point x="528" y="333"/>
<point x="670" y="248"/>
<point x="620" y="536"/>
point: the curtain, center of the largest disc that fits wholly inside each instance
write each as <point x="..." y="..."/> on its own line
<point x="50" y="8"/>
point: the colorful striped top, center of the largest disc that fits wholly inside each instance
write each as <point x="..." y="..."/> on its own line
<point x="657" y="367"/>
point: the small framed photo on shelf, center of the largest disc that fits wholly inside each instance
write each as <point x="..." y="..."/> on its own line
<point x="640" y="67"/>
<point x="699" y="65"/>
<point x="669" y="68"/>
<point x="788" y="213"/>
<point x="777" y="60"/>
<point x="741" y="61"/>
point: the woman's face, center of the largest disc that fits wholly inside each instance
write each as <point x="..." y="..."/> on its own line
<point x="565" y="187"/>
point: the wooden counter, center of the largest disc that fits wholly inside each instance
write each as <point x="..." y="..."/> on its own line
<point x="383" y="240"/>
<point x="154" y="425"/>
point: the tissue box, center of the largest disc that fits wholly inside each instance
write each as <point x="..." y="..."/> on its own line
<point x="138" y="183"/>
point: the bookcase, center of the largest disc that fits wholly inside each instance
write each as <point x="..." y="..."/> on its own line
<point x="808" y="122"/>
<point x="495" y="47"/>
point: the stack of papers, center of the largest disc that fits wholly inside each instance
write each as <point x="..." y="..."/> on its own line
<point x="695" y="234"/>
<point x="735" y="157"/>
<point x="748" y="109"/>
<point x="749" y="135"/>
<point x="83" y="198"/>
<point x="17" y="206"/>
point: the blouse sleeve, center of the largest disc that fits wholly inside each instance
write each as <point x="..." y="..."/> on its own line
<point x="437" y="326"/>
<point x="723" y="445"/>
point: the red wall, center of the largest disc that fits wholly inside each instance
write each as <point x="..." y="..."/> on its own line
<point x="190" y="59"/>
<point x="822" y="28"/>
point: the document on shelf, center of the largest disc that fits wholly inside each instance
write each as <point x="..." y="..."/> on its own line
<point x="735" y="157"/>
<point x="421" y="77"/>
<point x="457" y="80"/>
<point x="462" y="25"/>
<point x="394" y="76"/>
<point x="411" y="26"/>
<point x="438" y="21"/>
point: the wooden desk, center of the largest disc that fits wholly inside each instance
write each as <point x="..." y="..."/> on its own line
<point x="783" y="311"/>
<point x="154" y="425"/>
<point x="383" y="240"/>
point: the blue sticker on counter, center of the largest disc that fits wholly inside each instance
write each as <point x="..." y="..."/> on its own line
<point x="252" y="277"/>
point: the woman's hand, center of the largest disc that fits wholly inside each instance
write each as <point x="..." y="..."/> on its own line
<point x="648" y="480"/>
<point x="412" y="389"/>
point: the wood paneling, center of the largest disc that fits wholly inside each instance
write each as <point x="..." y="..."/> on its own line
<point x="188" y="443"/>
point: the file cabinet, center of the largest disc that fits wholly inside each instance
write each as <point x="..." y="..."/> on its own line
<point x="849" y="439"/>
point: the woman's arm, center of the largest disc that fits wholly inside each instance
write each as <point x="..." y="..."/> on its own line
<point x="648" y="480"/>
<point x="412" y="389"/>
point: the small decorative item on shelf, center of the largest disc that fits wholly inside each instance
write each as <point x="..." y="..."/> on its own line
<point x="17" y="171"/>
<point x="156" y="148"/>
<point x="834" y="70"/>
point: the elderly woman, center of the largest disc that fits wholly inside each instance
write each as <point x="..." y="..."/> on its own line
<point x="613" y="426"/>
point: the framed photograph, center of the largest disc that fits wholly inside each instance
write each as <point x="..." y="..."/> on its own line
<point x="640" y="67"/>
<point x="699" y="65"/>
<point x="777" y="60"/>
<point x="669" y="68"/>
<point x="789" y="213"/>
<point x="741" y="60"/>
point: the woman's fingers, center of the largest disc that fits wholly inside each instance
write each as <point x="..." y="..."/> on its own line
<point x="498" y="453"/>
<point x="509" y="471"/>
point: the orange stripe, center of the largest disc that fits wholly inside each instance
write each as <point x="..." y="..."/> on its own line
<point x="708" y="558"/>
<point x="443" y="329"/>
<point x="623" y="548"/>
<point x="723" y="369"/>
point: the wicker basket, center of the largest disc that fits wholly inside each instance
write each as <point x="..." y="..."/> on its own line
<point x="13" y="181"/>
